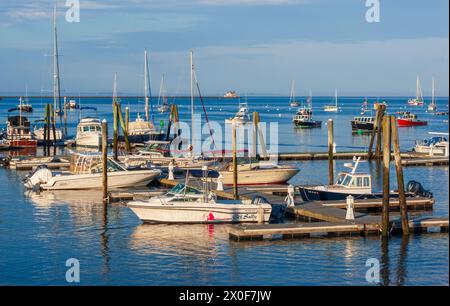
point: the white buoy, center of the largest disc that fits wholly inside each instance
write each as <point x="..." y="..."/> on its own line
<point x="350" y="215"/>
<point x="171" y="178"/>
<point x="219" y="183"/>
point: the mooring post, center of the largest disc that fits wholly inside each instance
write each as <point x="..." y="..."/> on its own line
<point x="380" y="131"/>
<point x="105" y="160"/>
<point x="330" y="153"/>
<point x="235" y="171"/>
<point x="386" y="162"/>
<point x="115" y="134"/>
<point x="373" y="133"/>
<point x="400" y="180"/>
<point x="127" y="118"/>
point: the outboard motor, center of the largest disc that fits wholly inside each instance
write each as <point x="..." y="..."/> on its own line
<point x="417" y="189"/>
<point x="41" y="175"/>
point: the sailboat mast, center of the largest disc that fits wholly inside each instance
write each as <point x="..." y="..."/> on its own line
<point x="191" y="60"/>
<point x="336" y="97"/>
<point x="146" y="87"/>
<point x="432" y="92"/>
<point x="56" y="80"/>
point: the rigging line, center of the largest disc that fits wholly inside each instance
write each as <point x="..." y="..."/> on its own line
<point x="204" y="111"/>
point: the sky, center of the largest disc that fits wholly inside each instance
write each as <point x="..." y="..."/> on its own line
<point x="256" y="47"/>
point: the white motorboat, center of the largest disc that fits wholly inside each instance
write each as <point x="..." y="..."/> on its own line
<point x="231" y="94"/>
<point x="186" y="205"/>
<point x="436" y="145"/>
<point x="89" y="133"/>
<point x="86" y="173"/>
<point x="259" y="173"/>
<point x="241" y="117"/>
<point x="39" y="135"/>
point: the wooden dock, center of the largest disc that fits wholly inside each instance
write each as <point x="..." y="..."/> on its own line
<point x="340" y="155"/>
<point x="328" y="229"/>
<point x="429" y="161"/>
<point x="31" y="163"/>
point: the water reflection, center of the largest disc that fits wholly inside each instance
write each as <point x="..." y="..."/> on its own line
<point x="402" y="259"/>
<point x="384" y="264"/>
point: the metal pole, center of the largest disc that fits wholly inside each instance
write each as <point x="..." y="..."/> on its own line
<point x="330" y="153"/>
<point x="235" y="171"/>
<point x="105" y="160"/>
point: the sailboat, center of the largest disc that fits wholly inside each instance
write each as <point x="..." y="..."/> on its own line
<point x="332" y="107"/>
<point x="163" y="106"/>
<point x="39" y="133"/>
<point x="292" y="99"/>
<point x="432" y="106"/>
<point x="418" y="101"/>
<point x="142" y="130"/>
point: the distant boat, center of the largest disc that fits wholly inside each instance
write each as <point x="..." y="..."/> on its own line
<point x="24" y="103"/>
<point x="292" y="100"/>
<point x="418" y="101"/>
<point x="163" y="106"/>
<point x="432" y="106"/>
<point x="438" y="145"/>
<point x="71" y="104"/>
<point x="332" y="107"/>
<point x="408" y="119"/>
<point x="39" y="134"/>
<point x="242" y="116"/>
<point x="18" y="132"/>
<point x="304" y="116"/>
<point x="231" y="94"/>
<point x="363" y="124"/>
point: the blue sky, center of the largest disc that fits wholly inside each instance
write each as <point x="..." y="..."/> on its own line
<point x="252" y="46"/>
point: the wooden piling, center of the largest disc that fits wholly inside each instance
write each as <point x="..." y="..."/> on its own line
<point x="330" y="153"/>
<point x="379" y="132"/>
<point x="235" y="172"/>
<point x="400" y="180"/>
<point x="105" y="160"/>
<point x="124" y="128"/>
<point x="52" y="113"/>
<point x="373" y="133"/>
<point x="46" y="129"/>
<point x="386" y="162"/>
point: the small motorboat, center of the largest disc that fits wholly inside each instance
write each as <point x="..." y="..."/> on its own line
<point x="241" y="117"/>
<point x="183" y="204"/>
<point x="231" y="95"/>
<point x="363" y="124"/>
<point x="303" y="119"/>
<point x="436" y="145"/>
<point x="408" y="119"/>
<point x="86" y="173"/>
<point x="89" y="133"/>
<point x="358" y="185"/>
<point x="39" y="134"/>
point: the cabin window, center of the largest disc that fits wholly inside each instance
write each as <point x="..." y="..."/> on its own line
<point x="85" y="129"/>
<point x="347" y="180"/>
<point x="340" y="179"/>
<point x="366" y="182"/>
<point x="359" y="182"/>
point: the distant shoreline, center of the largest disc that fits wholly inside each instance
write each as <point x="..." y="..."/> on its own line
<point x="208" y="97"/>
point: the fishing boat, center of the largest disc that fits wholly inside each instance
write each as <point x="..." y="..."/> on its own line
<point x="408" y="119"/>
<point x="358" y="185"/>
<point x="363" y="124"/>
<point x="163" y="105"/>
<point x="241" y="117"/>
<point x="231" y="95"/>
<point x="71" y="104"/>
<point x="183" y="204"/>
<point x="432" y="106"/>
<point x="140" y="131"/>
<point x="418" y="100"/>
<point x="24" y="105"/>
<point x="304" y="117"/>
<point x="86" y="173"/>
<point x="436" y="145"/>
<point x="258" y="173"/>
<point x="89" y="132"/>
<point x="18" y="132"/>
<point x="332" y="107"/>
<point x="292" y="100"/>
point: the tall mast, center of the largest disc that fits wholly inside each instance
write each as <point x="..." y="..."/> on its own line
<point x="418" y="90"/>
<point x="293" y="91"/>
<point x="56" y="80"/>
<point x="336" y="97"/>
<point x="115" y="89"/>
<point x="432" y="92"/>
<point x="148" y="116"/>
<point x="191" y="60"/>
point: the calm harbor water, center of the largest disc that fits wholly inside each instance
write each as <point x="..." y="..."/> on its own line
<point x="39" y="232"/>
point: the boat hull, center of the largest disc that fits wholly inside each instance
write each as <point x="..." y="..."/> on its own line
<point x="23" y="143"/>
<point x="312" y="194"/>
<point x="308" y="124"/>
<point x="121" y="179"/>
<point x="260" y="176"/>
<point x="92" y="140"/>
<point x="198" y="212"/>
<point x="367" y="126"/>
<point x="405" y="122"/>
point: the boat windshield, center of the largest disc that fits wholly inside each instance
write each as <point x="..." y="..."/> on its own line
<point x="347" y="180"/>
<point x="181" y="189"/>
<point x="340" y="179"/>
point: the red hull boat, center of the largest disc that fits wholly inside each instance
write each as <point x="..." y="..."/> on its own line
<point x="408" y="119"/>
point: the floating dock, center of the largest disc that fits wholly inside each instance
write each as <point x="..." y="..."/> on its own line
<point x="328" y="229"/>
<point x="54" y="163"/>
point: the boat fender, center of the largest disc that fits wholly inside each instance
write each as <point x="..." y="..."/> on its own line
<point x="39" y="176"/>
